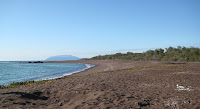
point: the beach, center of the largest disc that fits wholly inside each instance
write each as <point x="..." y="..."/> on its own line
<point x="117" y="84"/>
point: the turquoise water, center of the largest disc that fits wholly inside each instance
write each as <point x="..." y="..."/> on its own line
<point x="18" y="71"/>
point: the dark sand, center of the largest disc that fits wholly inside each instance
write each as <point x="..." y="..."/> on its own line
<point x="153" y="86"/>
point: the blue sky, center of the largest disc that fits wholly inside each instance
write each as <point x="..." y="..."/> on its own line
<point x="37" y="29"/>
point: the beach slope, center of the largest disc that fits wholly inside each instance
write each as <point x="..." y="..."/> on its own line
<point x="113" y="84"/>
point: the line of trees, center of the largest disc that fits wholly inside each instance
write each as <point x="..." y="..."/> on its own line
<point x="169" y="54"/>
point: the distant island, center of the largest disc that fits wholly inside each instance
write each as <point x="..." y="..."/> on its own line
<point x="62" y="58"/>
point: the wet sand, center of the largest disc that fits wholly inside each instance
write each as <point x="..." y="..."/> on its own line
<point x="114" y="84"/>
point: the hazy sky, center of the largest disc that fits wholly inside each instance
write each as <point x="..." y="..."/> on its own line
<point x="37" y="29"/>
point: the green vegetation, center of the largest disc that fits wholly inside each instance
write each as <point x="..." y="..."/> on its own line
<point x="26" y="83"/>
<point x="169" y="54"/>
<point x="2" y="86"/>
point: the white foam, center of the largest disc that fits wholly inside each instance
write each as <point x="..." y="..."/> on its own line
<point x="88" y="66"/>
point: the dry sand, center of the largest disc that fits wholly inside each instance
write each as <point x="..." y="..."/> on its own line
<point x="118" y="84"/>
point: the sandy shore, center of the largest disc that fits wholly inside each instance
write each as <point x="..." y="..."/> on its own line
<point x="114" y="84"/>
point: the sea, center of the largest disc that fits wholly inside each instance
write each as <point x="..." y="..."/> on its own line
<point x="18" y="71"/>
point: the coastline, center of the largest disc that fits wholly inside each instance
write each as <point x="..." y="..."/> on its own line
<point x="113" y="84"/>
<point x="66" y="73"/>
<point x="72" y="73"/>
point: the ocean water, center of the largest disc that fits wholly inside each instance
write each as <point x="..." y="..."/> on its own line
<point x="20" y="71"/>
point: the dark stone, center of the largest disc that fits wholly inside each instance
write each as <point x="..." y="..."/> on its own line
<point x="36" y="62"/>
<point x="22" y="103"/>
<point x="14" y="103"/>
<point x="11" y="99"/>
<point x="28" y="102"/>
<point x="143" y="104"/>
<point x="61" y="104"/>
<point x="130" y="97"/>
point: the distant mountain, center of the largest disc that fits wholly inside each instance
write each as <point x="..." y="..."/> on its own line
<point x="62" y="58"/>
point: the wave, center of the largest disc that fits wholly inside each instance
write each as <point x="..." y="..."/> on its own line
<point x="88" y="66"/>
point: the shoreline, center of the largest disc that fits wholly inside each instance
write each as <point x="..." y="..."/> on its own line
<point x="88" y="66"/>
<point x="94" y="63"/>
<point x="69" y="74"/>
<point x="113" y="84"/>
